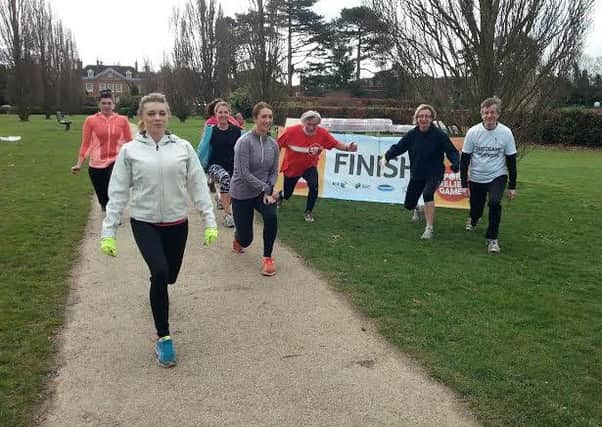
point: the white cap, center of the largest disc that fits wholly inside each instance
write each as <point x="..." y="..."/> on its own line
<point x="311" y="114"/>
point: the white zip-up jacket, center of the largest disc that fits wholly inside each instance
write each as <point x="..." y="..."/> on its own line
<point x="155" y="178"/>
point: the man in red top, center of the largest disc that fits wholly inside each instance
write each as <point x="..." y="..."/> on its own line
<point x="103" y="135"/>
<point x="304" y="143"/>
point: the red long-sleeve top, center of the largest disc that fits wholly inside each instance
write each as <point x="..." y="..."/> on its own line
<point x="102" y="137"/>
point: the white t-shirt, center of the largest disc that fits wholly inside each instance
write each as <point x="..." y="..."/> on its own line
<point x="489" y="149"/>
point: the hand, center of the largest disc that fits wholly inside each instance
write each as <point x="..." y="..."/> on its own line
<point x="210" y="235"/>
<point x="466" y="191"/>
<point x="75" y="169"/>
<point x="268" y="199"/>
<point x="314" y="150"/>
<point x="108" y="246"/>
<point x="511" y="194"/>
<point x="276" y="195"/>
<point x="352" y="147"/>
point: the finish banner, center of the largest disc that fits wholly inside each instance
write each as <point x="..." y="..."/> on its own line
<point x="360" y="176"/>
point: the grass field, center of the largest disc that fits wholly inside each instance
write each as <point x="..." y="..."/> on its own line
<point x="518" y="335"/>
<point x="44" y="210"/>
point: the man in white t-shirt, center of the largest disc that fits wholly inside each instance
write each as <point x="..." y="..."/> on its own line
<point x="490" y="151"/>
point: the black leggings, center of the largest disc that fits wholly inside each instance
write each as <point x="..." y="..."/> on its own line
<point x="242" y="211"/>
<point x="417" y="187"/>
<point x="311" y="177"/>
<point x="478" y="195"/>
<point x="100" y="178"/>
<point x="162" y="249"/>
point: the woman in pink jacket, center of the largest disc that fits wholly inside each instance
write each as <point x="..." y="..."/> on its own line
<point x="103" y="135"/>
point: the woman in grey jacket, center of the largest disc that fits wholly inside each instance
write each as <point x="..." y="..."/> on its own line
<point x="155" y="174"/>
<point x="252" y="185"/>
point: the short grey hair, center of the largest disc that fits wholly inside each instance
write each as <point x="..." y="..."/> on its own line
<point x="494" y="100"/>
<point x="311" y="114"/>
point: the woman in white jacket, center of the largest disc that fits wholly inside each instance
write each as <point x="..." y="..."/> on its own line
<point x="156" y="173"/>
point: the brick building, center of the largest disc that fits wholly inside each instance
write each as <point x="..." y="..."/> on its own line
<point x="120" y="79"/>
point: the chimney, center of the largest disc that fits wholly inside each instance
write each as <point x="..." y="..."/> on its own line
<point x="136" y="65"/>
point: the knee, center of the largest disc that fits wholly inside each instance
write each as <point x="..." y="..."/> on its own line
<point x="159" y="276"/>
<point x="494" y="204"/>
<point x="409" y="205"/>
<point x="224" y="180"/>
<point x="245" y="241"/>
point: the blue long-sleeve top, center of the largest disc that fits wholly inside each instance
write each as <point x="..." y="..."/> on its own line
<point x="426" y="150"/>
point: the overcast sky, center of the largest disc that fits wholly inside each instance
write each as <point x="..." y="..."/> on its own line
<point x="100" y="31"/>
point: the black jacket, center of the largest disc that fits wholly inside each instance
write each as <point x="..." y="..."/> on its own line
<point x="426" y="151"/>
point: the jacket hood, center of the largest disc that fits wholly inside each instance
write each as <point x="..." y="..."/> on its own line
<point x="147" y="139"/>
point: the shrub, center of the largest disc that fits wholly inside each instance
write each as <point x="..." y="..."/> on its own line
<point x="240" y="100"/>
<point x="567" y="127"/>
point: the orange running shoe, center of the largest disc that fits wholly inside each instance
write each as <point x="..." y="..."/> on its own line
<point x="268" y="267"/>
<point x="236" y="247"/>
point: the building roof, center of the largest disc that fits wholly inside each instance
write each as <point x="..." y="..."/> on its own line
<point x="119" y="70"/>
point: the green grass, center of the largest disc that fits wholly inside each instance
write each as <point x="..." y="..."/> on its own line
<point x="517" y="335"/>
<point x="44" y="211"/>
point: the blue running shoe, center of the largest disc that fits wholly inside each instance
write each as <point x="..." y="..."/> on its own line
<point x="166" y="354"/>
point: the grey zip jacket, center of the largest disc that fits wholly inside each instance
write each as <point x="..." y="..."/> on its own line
<point x="155" y="178"/>
<point x="255" y="166"/>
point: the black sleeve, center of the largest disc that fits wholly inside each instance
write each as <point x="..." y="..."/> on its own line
<point x="452" y="154"/>
<point x="511" y="163"/>
<point x="464" y="163"/>
<point x="397" y="149"/>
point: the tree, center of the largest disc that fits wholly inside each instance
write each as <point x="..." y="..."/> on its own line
<point x="17" y="39"/>
<point x="56" y="59"/>
<point x="194" y="47"/>
<point x="226" y="48"/>
<point x="362" y="28"/>
<point x="262" y="50"/>
<point x="302" y="27"/>
<point x="332" y="65"/>
<point x="510" y="48"/>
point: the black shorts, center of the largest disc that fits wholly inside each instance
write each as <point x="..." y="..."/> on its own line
<point x="425" y="187"/>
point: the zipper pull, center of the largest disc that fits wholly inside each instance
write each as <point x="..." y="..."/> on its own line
<point x="157" y="147"/>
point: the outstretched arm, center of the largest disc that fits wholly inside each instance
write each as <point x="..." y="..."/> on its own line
<point x="397" y="149"/>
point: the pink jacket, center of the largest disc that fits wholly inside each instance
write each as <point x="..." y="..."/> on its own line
<point x="102" y="138"/>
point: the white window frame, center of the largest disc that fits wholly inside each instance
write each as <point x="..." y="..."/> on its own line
<point x="128" y="74"/>
<point x="89" y="87"/>
<point x="90" y="73"/>
<point x="102" y="86"/>
<point x="118" y="88"/>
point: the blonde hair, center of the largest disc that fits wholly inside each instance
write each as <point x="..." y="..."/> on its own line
<point x="221" y="104"/>
<point x="151" y="97"/>
<point x="425" y="107"/>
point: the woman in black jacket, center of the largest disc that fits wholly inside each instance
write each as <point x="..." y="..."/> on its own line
<point x="426" y="145"/>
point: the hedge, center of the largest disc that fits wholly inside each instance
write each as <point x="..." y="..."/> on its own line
<point x="579" y="127"/>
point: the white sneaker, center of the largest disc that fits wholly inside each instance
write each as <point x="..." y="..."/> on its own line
<point x="228" y="221"/>
<point x="468" y="225"/>
<point x="428" y="233"/>
<point x="417" y="215"/>
<point x="308" y="217"/>
<point x="493" y="247"/>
